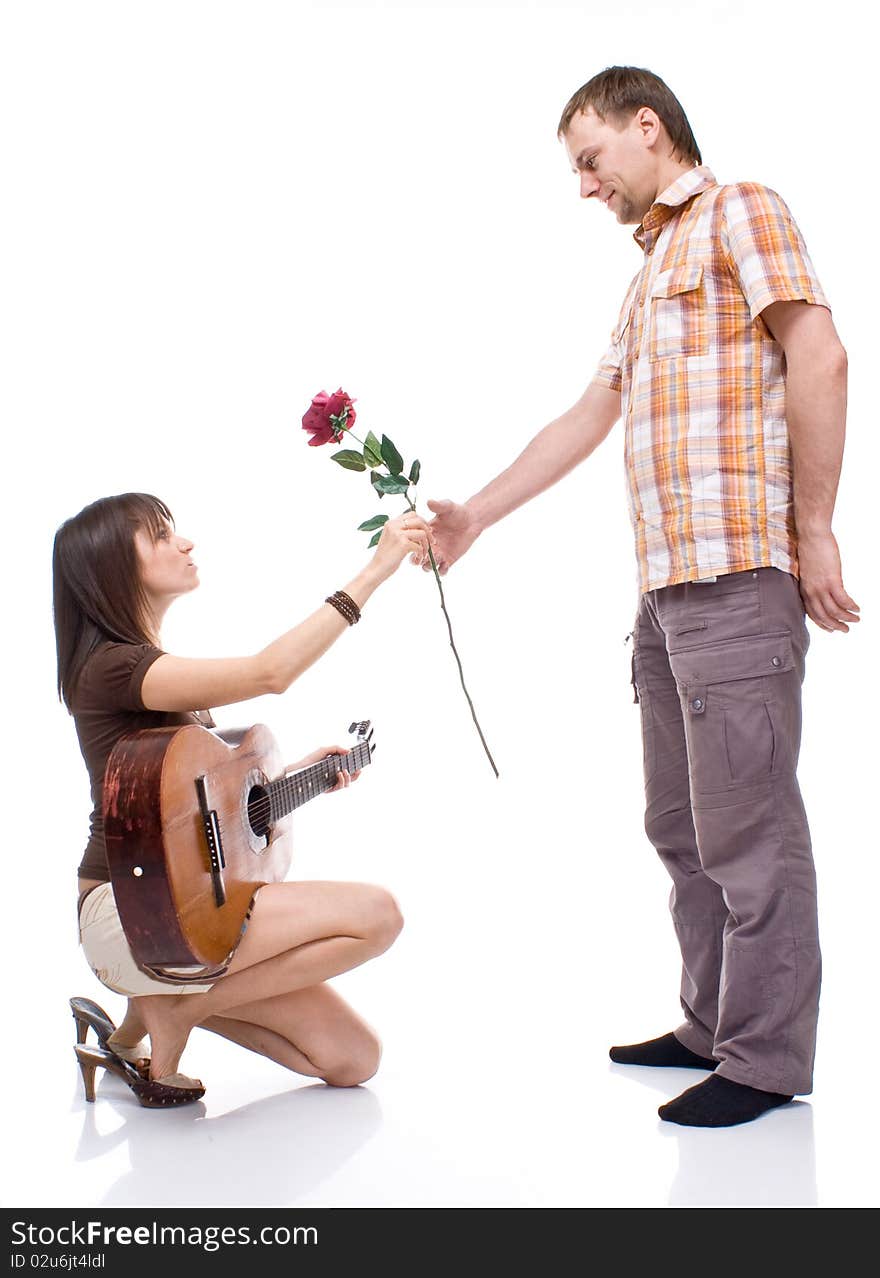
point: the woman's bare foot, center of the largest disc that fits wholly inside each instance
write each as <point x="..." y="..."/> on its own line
<point x="167" y="1022"/>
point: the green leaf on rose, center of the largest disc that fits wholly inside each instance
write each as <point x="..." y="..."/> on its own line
<point x="376" y="522"/>
<point x="374" y="480"/>
<point x="372" y="450"/>
<point x="414" y="473"/>
<point x="350" y="459"/>
<point x="391" y="484"/>
<point x="374" y="541"/>
<point x="391" y="457"/>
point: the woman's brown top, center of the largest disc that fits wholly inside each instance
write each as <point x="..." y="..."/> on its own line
<point x="107" y="705"/>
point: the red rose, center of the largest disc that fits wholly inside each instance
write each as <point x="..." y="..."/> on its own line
<point x="317" y="418"/>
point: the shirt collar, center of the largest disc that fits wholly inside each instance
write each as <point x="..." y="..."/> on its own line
<point x="690" y="183"/>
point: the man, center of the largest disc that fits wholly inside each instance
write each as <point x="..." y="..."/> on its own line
<point x="731" y="380"/>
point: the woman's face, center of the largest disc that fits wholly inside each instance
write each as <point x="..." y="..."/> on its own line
<point x="167" y="568"/>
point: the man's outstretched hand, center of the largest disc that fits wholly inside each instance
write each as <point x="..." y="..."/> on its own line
<point x="455" y="531"/>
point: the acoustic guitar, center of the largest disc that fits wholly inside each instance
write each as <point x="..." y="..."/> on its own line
<point x="194" y="824"/>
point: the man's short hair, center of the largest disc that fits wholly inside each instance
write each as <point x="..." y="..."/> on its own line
<point x="618" y="92"/>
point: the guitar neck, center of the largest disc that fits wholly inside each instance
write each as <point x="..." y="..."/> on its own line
<point x="296" y="788"/>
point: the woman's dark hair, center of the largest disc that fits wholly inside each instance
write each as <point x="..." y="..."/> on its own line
<point x="618" y="92"/>
<point x="97" y="593"/>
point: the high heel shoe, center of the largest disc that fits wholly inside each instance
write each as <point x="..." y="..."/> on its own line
<point x="88" y="1014"/>
<point x="175" y="1089"/>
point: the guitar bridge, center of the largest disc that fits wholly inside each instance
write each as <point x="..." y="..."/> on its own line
<point x="211" y="825"/>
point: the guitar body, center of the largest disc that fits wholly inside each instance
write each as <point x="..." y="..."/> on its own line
<point x="159" y="850"/>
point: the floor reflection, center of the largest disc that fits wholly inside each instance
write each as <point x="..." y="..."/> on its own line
<point x="768" y="1163"/>
<point x="267" y="1153"/>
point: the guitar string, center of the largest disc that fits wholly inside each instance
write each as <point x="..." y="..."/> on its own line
<point x="301" y="781"/>
<point x="261" y="809"/>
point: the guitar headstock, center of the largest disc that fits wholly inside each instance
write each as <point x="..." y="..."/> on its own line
<point x="364" y="734"/>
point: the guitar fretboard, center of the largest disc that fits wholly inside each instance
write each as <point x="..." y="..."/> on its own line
<point x="295" y="789"/>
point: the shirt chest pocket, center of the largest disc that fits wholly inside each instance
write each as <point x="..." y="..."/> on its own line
<point x="679" y="322"/>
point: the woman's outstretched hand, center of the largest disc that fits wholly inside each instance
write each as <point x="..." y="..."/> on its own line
<point x="343" y="780"/>
<point x="407" y="534"/>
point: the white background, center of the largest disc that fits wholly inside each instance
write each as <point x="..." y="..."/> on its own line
<point x="214" y="210"/>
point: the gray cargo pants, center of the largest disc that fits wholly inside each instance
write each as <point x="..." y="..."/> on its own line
<point x="717" y="668"/>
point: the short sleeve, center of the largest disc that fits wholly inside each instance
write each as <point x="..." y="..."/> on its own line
<point x="113" y="675"/>
<point x="765" y="249"/>
<point x="610" y="370"/>
<point x="609" y="373"/>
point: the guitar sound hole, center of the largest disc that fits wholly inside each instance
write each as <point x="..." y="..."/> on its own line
<point x="258" y="811"/>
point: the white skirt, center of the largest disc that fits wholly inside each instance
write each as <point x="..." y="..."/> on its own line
<point x="109" y="956"/>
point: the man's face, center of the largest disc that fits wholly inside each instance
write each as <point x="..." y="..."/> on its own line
<point x="616" y="165"/>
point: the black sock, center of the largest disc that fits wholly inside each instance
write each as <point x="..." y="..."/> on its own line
<point x="719" y="1102"/>
<point x="661" y="1051"/>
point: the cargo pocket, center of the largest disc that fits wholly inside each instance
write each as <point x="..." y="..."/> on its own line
<point x="643" y="698"/>
<point x="632" y="667"/>
<point x="728" y="692"/>
<point x="679" y="323"/>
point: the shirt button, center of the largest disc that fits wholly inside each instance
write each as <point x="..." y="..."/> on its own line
<point x="776" y="661"/>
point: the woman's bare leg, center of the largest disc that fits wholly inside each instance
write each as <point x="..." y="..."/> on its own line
<point x="299" y="935"/>
<point x="311" y="1031"/>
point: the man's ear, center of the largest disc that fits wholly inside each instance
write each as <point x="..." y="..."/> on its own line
<point x="649" y="124"/>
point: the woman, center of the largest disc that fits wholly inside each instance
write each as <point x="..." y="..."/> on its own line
<point x="118" y="565"/>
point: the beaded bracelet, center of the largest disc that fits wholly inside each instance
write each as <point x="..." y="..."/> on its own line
<point x="345" y="605"/>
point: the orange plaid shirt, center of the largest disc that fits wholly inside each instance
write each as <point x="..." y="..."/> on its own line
<point x="702" y="381"/>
